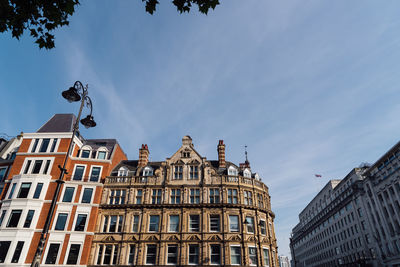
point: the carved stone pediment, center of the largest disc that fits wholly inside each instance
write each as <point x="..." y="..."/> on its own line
<point x="252" y="239"/>
<point x="108" y="239"/>
<point x="235" y="238"/>
<point x="173" y="238"/>
<point x="194" y="238"/>
<point x="152" y="238"/>
<point x="214" y="238"/>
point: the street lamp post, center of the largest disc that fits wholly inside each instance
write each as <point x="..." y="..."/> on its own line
<point x="76" y="93"/>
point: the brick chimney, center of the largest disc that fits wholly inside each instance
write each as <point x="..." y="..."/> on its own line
<point x="143" y="156"/>
<point x="221" y="154"/>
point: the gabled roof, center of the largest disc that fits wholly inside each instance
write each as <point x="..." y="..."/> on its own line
<point x="59" y="123"/>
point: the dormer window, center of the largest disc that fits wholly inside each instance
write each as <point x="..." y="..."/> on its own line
<point x="247" y="173"/>
<point x="186" y="154"/>
<point x="85" y="154"/>
<point x="148" y="171"/>
<point x="123" y="171"/>
<point x="232" y="171"/>
<point x="102" y="153"/>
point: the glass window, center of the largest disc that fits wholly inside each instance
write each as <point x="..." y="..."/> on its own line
<point x="178" y="172"/>
<point x="233" y="223"/>
<point x="151" y="254"/>
<point x="80" y="222"/>
<point x="253" y="256"/>
<point x="45" y="145"/>
<point x="215" y="254"/>
<point x="17" y="252"/>
<point x="52" y="254"/>
<point x="248" y="198"/>
<point x="135" y="226"/>
<point x="24" y="190"/>
<point x="139" y="195"/>
<point x="195" y="196"/>
<point x="156" y="196"/>
<point x="4" y="246"/>
<point x="193" y="254"/>
<point x="154" y="221"/>
<point x="37" y="166"/>
<point x="68" y="194"/>
<point x="53" y="146"/>
<point x="266" y="256"/>
<point x="131" y="256"/>
<point x="12" y="191"/>
<point x="35" y="145"/>
<point x="3" y="214"/>
<point x="175" y="196"/>
<point x="113" y="223"/>
<point x="194" y="172"/>
<point x="95" y="175"/>
<point x="250" y="224"/>
<point x="147" y="171"/>
<point x="38" y="190"/>
<point x="172" y="254"/>
<point x="29" y="218"/>
<point x="194" y="223"/>
<point x="214" y="223"/>
<point x="14" y="218"/>
<point x="263" y="227"/>
<point x="214" y="196"/>
<point x="232" y="196"/>
<point x="101" y="155"/>
<point x="107" y="254"/>
<point x="79" y="170"/>
<point x="235" y="255"/>
<point x="61" y="221"/>
<point x="46" y="167"/>
<point x="28" y="165"/>
<point x="117" y="197"/>
<point x="174" y="223"/>
<point x="85" y="154"/>
<point x="2" y="174"/>
<point x="73" y="254"/>
<point x="87" y="195"/>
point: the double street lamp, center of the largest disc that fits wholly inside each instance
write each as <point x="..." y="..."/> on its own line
<point x="76" y="93"/>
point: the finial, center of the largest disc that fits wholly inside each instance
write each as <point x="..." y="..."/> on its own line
<point x="245" y="151"/>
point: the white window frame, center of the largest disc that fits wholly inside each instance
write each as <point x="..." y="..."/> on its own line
<point x="156" y="256"/>
<point x="66" y="222"/>
<point x="248" y="251"/>
<point x="266" y="264"/>
<point x="68" y="249"/>
<point x="86" y="147"/>
<point x="177" y="254"/>
<point x="220" y="252"/>
<point x="230" y="229"/>
<point x="63" y="193"/>
<point x="148" y="171"/>
<point x="247" y="173"/>
<point x="198" y="255"/>
<point x="47" y="252"/>
<point x="123" y="171"/>
<point x="100" y="173"/>
<point x="240" y="255"/>
<point x="232" y="171"/>
<point x="33" y="160"/>
<point x="76" y="219"/>
<point x="102" y="149"/>
<point x="83" y="174"/>
<point x="91" y="198"/>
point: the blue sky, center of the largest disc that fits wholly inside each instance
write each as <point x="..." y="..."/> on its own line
<point x="309" y="86"/>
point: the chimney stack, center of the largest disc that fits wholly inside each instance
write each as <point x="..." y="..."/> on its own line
<point x="143" y="156"/>
<point x="221" y="154"/>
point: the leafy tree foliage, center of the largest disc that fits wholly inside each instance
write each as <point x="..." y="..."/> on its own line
<point x="40" y="17"/>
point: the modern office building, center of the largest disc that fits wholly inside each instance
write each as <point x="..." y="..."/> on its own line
<point x="186" y="210"/>
<point x="334" y="228"/>
<point x="29" y="184"/>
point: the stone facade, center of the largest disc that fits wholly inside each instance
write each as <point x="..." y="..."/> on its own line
<point x="186" y="210"/>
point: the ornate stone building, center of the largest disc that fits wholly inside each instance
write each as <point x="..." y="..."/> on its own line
<point x="186" y="210"/>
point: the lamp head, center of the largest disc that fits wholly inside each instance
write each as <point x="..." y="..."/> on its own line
<point x="88" y="122"/>
<point x="71" y="95"/>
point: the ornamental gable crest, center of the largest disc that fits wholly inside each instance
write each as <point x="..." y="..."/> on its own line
<point x="109" y="239"/>
<point x="194" y="238"/>
<point x="215" y="238"/>
<point x="152" y="238"/>
<point x="235" y="238"/>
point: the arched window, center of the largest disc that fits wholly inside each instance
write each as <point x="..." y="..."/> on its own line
<point x="148" y="171"/>
<point x="247" y="173"/>
<point x="86" y="151"/>
<point x="102" y="153"/>
<point x="123" y="171"/>
<point x="232" y="171"/>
